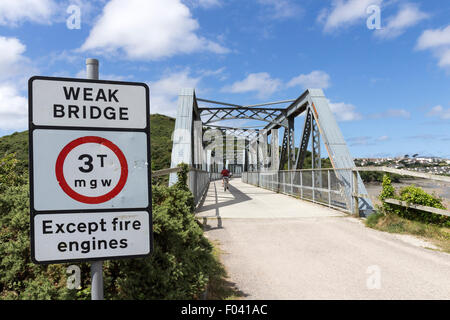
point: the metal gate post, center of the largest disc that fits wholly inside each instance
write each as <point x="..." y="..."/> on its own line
<point x="301" y="184"/>
<point x="313" y="184"/>
<point x="329" y="188"/>
<point x="355" y="193"/>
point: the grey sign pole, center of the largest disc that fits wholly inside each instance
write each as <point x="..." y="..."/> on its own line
<point x="96" y="266"/>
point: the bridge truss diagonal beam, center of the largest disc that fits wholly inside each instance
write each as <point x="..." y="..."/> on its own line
<point x="226" y="113"/>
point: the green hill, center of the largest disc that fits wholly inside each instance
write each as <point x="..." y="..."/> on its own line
<point x="16" y="143"/>
<point x="161" y="128"/>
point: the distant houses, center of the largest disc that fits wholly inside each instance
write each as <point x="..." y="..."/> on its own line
<point x="433" y="165"/>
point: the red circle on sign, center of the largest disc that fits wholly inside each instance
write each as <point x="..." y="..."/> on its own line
<point x="79" y="197"/>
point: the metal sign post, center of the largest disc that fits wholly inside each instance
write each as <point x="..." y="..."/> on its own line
<point x="92" y="72"/>
<point x="90" y="177"/>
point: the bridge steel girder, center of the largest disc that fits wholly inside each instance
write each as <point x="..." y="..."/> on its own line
<point x="284" y="147"/>
<point x="315" y="101"/>
<point x="315" y="157"/>
<point x="291" y="143"/>
<point x="183" y="136"/>
<point x="275" y="150"/>
<point x="288" y="146"/>
<point x="336" y="147"/>
<point x="299" y="161"/>
<point x="244" y="133"/>
<point x="229" y="113"/>
<point x="263" y="150"/>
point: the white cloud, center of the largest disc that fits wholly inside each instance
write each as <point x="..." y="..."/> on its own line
<point x="147" y="30"/>
<point x="12" y="12"/>
<point x="316" y="79"/>
<point x="444" y="58"/>
<point x="440" y="112"/>
<point x="11" y="57"/>
<point x="261" y="83"/>
<point x="281" y="9"/>
<point x="434" y="38"/>
<point x="345" y="13"/>
<point x="206" y="4"/>
<point x="438" y="41"/>
<point x="344" y="111"/>
<point x="383" y="138"/>
<point x="14" y="66"/>
<point x="399" y="113"/>
<point x="360" y="141"/>
<point x="408" y="16"/>
<point x="14" y="70"/>
<point x="164" y="92"/>
<point x="392" y="113"/>
<point x="366" y="141"/>
<point x="218" y="73"/>
<point x="13" y="108"/>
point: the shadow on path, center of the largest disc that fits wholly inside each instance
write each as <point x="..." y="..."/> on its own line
<point x="238" y="197"/>
<point x="220" y="202"/>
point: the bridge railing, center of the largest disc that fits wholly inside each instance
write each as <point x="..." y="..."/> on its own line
<point x="324" y="186"/>
<point x="331" y="186"/>
<point x="198" y="180"/>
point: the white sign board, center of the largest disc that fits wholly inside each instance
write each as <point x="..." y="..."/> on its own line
<point x="88" y="104"/>
<point x="101" y="235"/>
<point x="89" y="169"/>
<point x="89" y="165"/>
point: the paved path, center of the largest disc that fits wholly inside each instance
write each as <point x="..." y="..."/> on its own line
<point x="277" y="247"/>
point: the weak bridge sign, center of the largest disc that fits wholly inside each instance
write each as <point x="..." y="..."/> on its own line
<point x="89" y="169"/>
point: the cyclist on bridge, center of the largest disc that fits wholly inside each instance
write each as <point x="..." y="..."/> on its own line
<point x="225" y="178"/>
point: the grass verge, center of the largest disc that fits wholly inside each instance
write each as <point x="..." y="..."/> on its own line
<point x="392" y="223"/>
<point x="220" y="287"/>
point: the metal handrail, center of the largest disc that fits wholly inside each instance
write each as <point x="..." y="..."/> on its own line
<point x="311" y="190"/>
<point x="197" y="180"/>
<point x="403" y="172"/>
<point x="355" y="194"/>
<point x="162" y="172"/>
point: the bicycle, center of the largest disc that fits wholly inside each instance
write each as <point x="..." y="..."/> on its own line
<point x="225" y="183"/>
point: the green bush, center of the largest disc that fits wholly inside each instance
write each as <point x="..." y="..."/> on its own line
<point x="20" y="278"/>
<point x="387" y="191"/>
<point x="179" y="268"/>
<point x="416" y="195"/>
<point x="412" y="195"/>
<point x="377" y="176"/>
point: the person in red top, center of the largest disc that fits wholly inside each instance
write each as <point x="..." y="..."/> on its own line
<point x="225" y="175"/>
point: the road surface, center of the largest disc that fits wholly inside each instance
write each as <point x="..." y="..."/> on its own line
<point x="278" y="247"/>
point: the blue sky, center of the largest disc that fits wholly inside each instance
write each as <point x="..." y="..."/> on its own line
<point x="389" y="88"/>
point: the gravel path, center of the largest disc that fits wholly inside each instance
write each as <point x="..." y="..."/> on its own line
<point x="278" y="247"/>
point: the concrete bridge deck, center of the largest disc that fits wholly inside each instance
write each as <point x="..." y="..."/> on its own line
<point x="278" y="247"/>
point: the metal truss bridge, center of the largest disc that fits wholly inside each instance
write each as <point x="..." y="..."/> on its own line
<point x="211" y="135"/>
